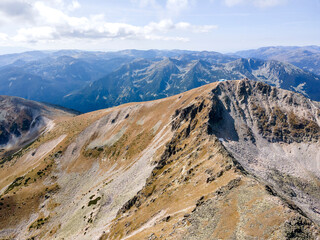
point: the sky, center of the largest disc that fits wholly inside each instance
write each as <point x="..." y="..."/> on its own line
<point x="109" y="25"/>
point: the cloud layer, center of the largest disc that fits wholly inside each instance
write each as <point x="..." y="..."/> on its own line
<point x="53" y="20"/>
<point x="143" y="24"/>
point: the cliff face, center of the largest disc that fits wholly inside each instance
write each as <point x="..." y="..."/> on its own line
<point x="193" y="166"/>
<point x="276" y="138"/>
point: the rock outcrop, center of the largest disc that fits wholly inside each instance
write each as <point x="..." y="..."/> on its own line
<point x="21" y="121"/>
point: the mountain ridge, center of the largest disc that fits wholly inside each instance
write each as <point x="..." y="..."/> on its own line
<point x="169" y="168"/>
<point x="65" y="77"/>
<point x="137" y="81"/>
<point x="306" y="58"/>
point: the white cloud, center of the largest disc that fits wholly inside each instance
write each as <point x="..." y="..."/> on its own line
<point x="146" y="3"/>
<point x="3" y="36"/>
<point x="195" y="28"/>
<point x="168" y="8"/>
<point x="27" y="10"/>
<point x="257" y="3"/>
<point x="52" y="23"/>
<point x="34" y="34"/>
<point x="69" y="5"/>
<point x="74" y="5"/>
<point x="176" y="6"/>
<point x="162" y="26"/>
<point x="231" y="3"/>
<point x="16" y="9"/>
<point x="268" y="3"/>
<point x="163" y="38"/>
<point x="167" y="25"/>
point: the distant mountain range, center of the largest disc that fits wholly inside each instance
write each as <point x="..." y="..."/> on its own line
<point x="48" y="76"/>
<point x="143" y="80"/>
<point x="306" y="58"/>
<point x="87" y="81"/>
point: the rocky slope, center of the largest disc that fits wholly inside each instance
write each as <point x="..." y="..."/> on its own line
<point x="197" y="165"/>
<point x="21" y="121"/>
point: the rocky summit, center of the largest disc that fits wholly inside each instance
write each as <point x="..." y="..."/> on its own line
<point x="228" y="160"/>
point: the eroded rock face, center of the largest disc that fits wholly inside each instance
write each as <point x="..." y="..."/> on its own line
<point x="18" y="125"/>
<point x="228" y="202"/>
<point x="271" y="112"/>
<point x="21" y="121"/>
<point x="277" y="138"/>
<point x="199" y="165"/>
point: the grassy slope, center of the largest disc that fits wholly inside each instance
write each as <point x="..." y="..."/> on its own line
<point x="88" y="170"/>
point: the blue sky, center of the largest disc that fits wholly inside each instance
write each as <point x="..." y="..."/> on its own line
<point x="214" y="25"/>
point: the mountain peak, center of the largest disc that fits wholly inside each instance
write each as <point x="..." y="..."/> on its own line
<point x="168" y="167"/>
